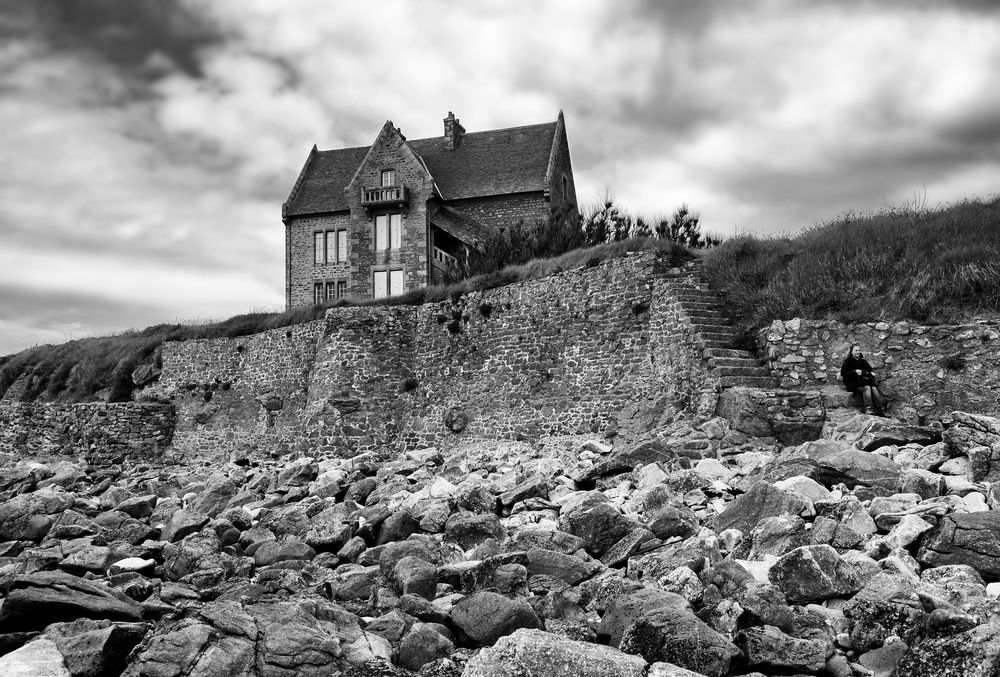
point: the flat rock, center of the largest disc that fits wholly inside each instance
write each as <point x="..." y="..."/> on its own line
<point x="40" y="658"/>
<point x="767" y="646"/>
<point x="535" y="653"/>
<point x="37" y="600"/>
<point x="830" y="463"/>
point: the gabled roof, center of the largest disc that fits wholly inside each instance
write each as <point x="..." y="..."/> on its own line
<point x="461" y="226"/>
<point x="494" y="162"/>
<point x="321" y="188"/>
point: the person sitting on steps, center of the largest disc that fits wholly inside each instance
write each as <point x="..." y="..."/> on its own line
<point x="858" y="378"/>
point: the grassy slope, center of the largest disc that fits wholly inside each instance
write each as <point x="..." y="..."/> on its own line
<point x="937" y="266"/>
<point x="77" y="370"/>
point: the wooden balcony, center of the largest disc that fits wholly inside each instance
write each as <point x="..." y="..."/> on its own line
<point x="385" y="196"/>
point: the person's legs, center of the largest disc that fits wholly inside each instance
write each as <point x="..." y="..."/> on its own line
<point x="879" y="399"/>
<point x="868" y="399"/>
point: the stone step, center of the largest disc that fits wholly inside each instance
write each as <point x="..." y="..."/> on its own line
<point x="710" y="306"/>
<point x="742" y="371"/>
<point x="713" y="320"/>
<point x="734" y="362"/>
<point x="709" y="353"/>
<point x="765" y="382"/>
<point x="715" y="332"/>
<point x="716" y="343"/>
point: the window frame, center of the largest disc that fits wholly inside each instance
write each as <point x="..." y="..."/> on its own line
<point x="393" y="236"/>
<point x="322" y="241"/>
<point x="389" y="273"/>
<point x="391" y="174"/>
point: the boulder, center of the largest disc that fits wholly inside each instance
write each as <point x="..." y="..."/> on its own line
<point x="18" y="513"/>
<point x="769" y="648"/>
<point x="626" y="459"/>
<point x="183" y="523"/>
<point x="814" y="573"/>
<point x="677" y="636"/>
<point x="413" y="575"/>
<point x="592" y="517"/>
<point x="830" y="463"/>
<point x="421" y="645"/>
<point x="624" y="610"/>
<point x="95" y="648"/>
<point x="37" y="600"/>
<point x="761" y="501"/>
<point x="485" y="616"/>
<point x="969" y="538"/>
<point x="271" y="552"/>
<point x="535" y="653"/>
<point x="973" y="653"/>
<point x="569" y="568"/>
<point x="670" y="521"/>
<point x="40" y="658"/>
<point x="469" y="529"/>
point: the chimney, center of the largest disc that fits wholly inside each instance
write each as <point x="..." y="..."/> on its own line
<point x="453" y="131"/>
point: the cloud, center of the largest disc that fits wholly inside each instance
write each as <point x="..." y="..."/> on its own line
<point x="156" y="139"/>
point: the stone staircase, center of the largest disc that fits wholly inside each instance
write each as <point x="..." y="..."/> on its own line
<point x="733" y="366"/>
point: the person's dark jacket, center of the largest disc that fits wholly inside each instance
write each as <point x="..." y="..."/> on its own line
<point x="849" y="372"/>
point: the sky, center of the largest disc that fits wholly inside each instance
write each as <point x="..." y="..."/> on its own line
<point x="146" y="146"/>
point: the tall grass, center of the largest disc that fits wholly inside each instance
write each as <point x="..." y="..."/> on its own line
<point x="932" y="266"/>
<point x="77" y="371"/>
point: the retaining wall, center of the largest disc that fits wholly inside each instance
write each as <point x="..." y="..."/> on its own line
<point x="928" y="371"/>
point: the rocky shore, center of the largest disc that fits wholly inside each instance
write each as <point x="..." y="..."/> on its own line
<point x="874" y="550"/>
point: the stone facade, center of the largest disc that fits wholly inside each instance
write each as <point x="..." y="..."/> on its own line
<point x="301" y="270"/>
<point x="100" y="432"/>
<point x="928" y="371"/>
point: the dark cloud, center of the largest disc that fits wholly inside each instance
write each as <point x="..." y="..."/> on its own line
<point x="133" y="33"/>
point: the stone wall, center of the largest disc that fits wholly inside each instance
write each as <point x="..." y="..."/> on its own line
<point x="929" y="371"/>
<point x="100" y="432"/>
<point x="236" y="392"/>
<point x="301" y="271"/>
<point x="593" y="349"/>
<point x="503" y="211"/>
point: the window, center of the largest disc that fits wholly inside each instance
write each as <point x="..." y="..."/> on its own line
<point x="341" y="288"/>
<point x="388" y="283"/>
<point x="317" y="292"/>
<point x="330" y="246"/>
<point x="331" y="291"/>
<point x="388" y="178"/>
<point x="342" y="247"/>
<point x="388" y="231"/>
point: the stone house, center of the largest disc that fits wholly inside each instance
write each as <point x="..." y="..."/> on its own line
<point x="383" y="219"/>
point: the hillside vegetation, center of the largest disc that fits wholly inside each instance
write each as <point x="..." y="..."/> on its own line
<point x="937" y="266"/>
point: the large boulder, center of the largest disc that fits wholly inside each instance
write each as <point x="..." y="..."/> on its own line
<point x="677" y="636"/>
<point x="421" y="645"/>
<point x="814" y="573"/>
<point x="95" y="648"/>
<point x="626" y="609"/>
<point x="37" y="600"/>
<point x="973" y="653"/>
<point x="534" y="653"/>
<point x="830" y="462"/>
<point x="592" y="517"/>
<point x="965" y="538"/>
<point x="761" y="501"/>
<point x="484" y="616"/>
<point x="40" y="658"/>
<point x="23" y="517"/>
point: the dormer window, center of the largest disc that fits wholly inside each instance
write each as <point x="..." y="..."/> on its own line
<point x="388" y="178"/>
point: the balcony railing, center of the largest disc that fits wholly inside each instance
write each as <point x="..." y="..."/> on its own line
<point x="384" y="195"/>
<point x="443" y="259"/>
